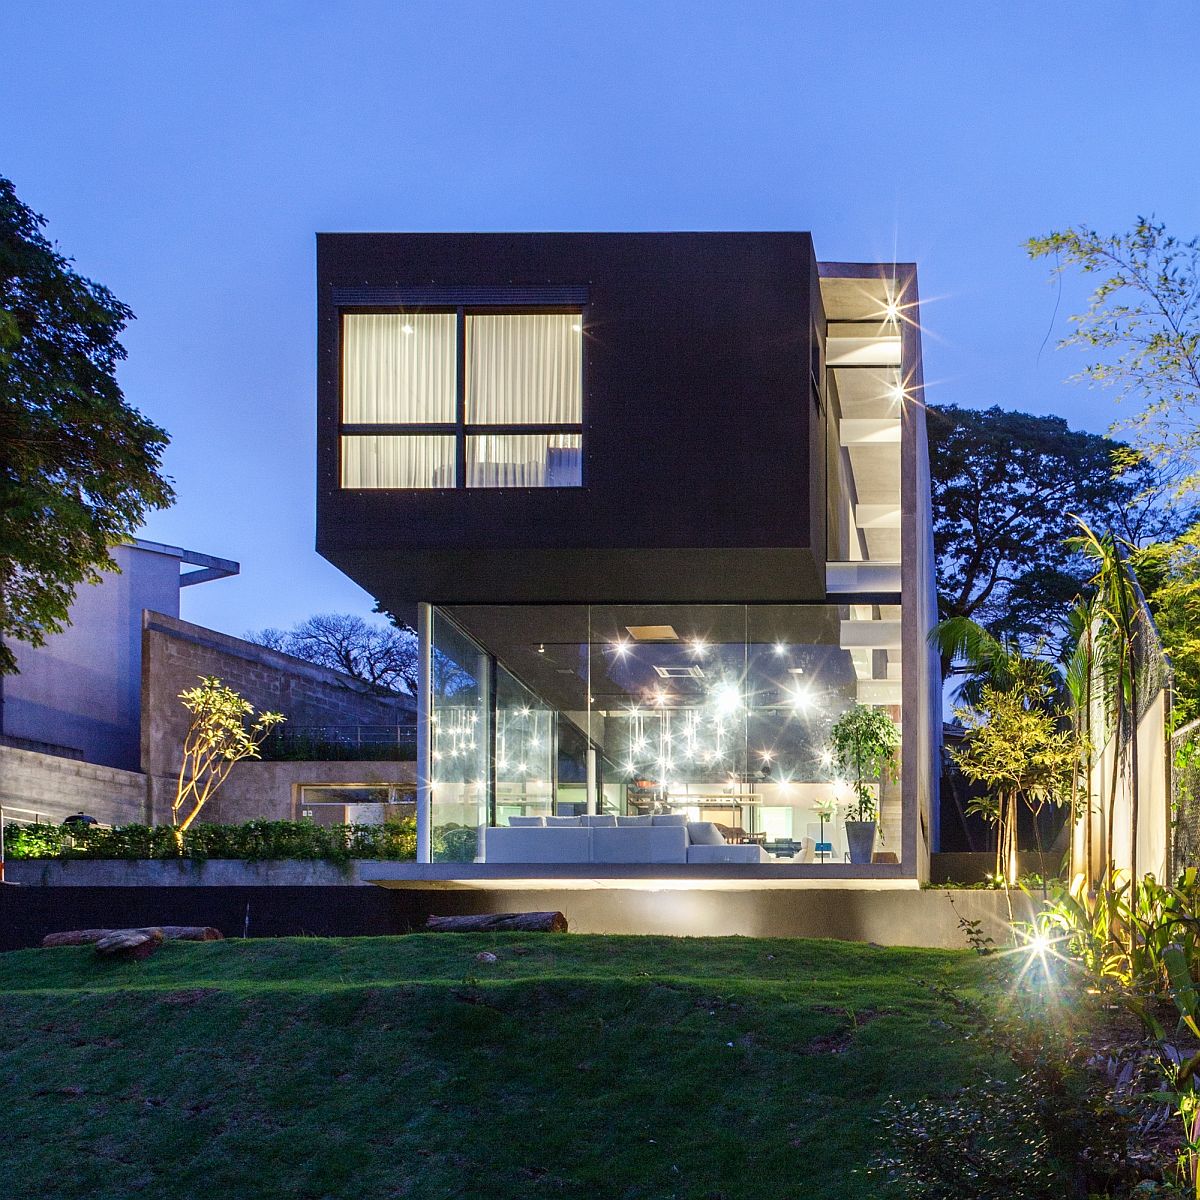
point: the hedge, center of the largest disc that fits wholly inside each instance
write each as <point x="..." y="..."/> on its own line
<point x="253" y="840"/>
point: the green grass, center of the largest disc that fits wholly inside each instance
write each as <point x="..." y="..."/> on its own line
<point x="576" y="1066"/>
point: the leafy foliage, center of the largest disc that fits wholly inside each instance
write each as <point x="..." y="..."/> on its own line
<point x="1143" y="324"/>
<point x="865" y="741"/>
<point x="1138" y="944"/>
<point x="252" y="840"/>
<point x="1054" y="1124"/>
<point x="81" y="468"/>
<point x="218" y="738"/>
<point x="1004" y="487"/>
<point x="1169" y="574"/>
<point x="1018" y="750"/>
<point x="982" y="659"/>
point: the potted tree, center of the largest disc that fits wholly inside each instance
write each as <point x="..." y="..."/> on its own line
<point x="865" y="741"/>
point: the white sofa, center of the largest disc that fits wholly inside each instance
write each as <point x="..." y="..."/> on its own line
<point x="666" y="838"/>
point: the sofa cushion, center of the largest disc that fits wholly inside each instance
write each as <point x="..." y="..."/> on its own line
<point x="645" y="845"/>
<point x="517" y="822"/>
<point x="504" y="844"/>
<point x="674" y="819"/>
<point x="600" y="821"/>
<point x="704" y="833"/>
<point x="728" y="854"/>
<point x="634" y="822"/>
<point x="558" y="822"/>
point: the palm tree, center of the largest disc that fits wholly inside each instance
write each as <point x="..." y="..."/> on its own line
<point x="1117" y="647"/>
<point x="987" y="661"/>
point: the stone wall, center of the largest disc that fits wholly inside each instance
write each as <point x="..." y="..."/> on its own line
<point x="42" y="786"/>
<point x="271" y="790"/>
<point x="175" y="654"/>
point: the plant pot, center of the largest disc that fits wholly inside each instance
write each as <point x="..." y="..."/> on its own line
<point x="860" y="839"/>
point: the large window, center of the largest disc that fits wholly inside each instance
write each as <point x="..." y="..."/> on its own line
<point x="462" y="399"/>
<point x="722" y="712"/>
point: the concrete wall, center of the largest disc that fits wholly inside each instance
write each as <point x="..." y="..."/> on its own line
<point x="176" y="654"/>
<point x="888" y="917"/>
<point x="42" y="786"/>
<point x="94" y="894"/>
<point x="228" y="872"/>
<point x="81" y="690"/>
<point x="271" y="790"/>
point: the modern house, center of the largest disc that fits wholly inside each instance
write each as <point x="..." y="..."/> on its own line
<point x="658" y="508"/>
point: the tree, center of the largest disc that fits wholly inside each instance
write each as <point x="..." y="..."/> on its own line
<point x="217" y="738"/>
<point x="383" y="656"/>
<point x="79" y="467"/>
<point x="984" y="660"/>
<point x="1143" y="323"/>
<point x="1169" y="574"/>
<point x="1004" y="487"/>
<point x="386" y="657"/>
<point x="865" y="741"/>
<point x="1015" y="748"/>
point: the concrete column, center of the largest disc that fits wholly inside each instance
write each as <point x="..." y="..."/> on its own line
<point x="424" y="732"/>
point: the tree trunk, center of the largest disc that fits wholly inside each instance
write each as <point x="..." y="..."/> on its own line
<point x="531" y="922"/>
<point x="129" y="943"/>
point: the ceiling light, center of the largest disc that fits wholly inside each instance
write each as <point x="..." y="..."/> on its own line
<point x="406" y="328"/>
<point x="801" y="700"/>
<point x="699" y="645"/>
<point x="652" y="633"/>
<point x="620" y="648"/>
<point x="780" y="648"/>
<point x="766" y="755"/>
<point x="892" y="310"/>
<point x="577" y="328"/>
<point x="898" y="393"/>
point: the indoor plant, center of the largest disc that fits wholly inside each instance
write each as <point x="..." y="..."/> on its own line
<point x="864" y="742"/>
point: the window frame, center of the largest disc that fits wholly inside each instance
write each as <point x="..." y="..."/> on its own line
<point x="460" y="428"/>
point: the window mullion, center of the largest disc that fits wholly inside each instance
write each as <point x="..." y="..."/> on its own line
<point x="460" y="400"/>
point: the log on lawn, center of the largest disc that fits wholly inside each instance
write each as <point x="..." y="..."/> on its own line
<point x="531" y="922"/>
<point x="130" y="943"/>
<point x="171" y="933"/>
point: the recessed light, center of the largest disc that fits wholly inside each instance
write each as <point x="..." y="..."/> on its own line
<point x="406" y="328"/>
<point x="652" y="633"/>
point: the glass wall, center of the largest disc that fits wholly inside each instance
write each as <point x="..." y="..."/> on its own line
<point x="525" y="751"/>
<point x="460" y="739"/>
<point x="722" y="712"/>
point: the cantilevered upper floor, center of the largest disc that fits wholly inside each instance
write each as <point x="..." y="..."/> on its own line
<point x="491" y="405"/>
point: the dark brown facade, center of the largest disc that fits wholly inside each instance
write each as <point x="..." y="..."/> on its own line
<point x="703" y="439"/>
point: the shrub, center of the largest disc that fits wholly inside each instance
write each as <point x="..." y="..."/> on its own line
<point x="1060" y="1127"/>
<point x="252" y="841"/>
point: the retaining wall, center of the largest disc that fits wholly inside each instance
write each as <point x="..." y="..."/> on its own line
<point x="34" y="785"/>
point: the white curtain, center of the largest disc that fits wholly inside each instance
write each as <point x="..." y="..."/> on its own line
<point x="398" y="368"/>
<point x="398" y="461"/>
<point x="524" y="368"/>
<point x="524" y="460"/>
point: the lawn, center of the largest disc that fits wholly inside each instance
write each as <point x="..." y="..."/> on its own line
<point x="575" y="1066"/>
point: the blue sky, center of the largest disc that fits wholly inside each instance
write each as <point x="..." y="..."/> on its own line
<point x="185" y="155"/>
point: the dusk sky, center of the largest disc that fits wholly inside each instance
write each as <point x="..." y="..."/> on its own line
<point x="186" y="154"/>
